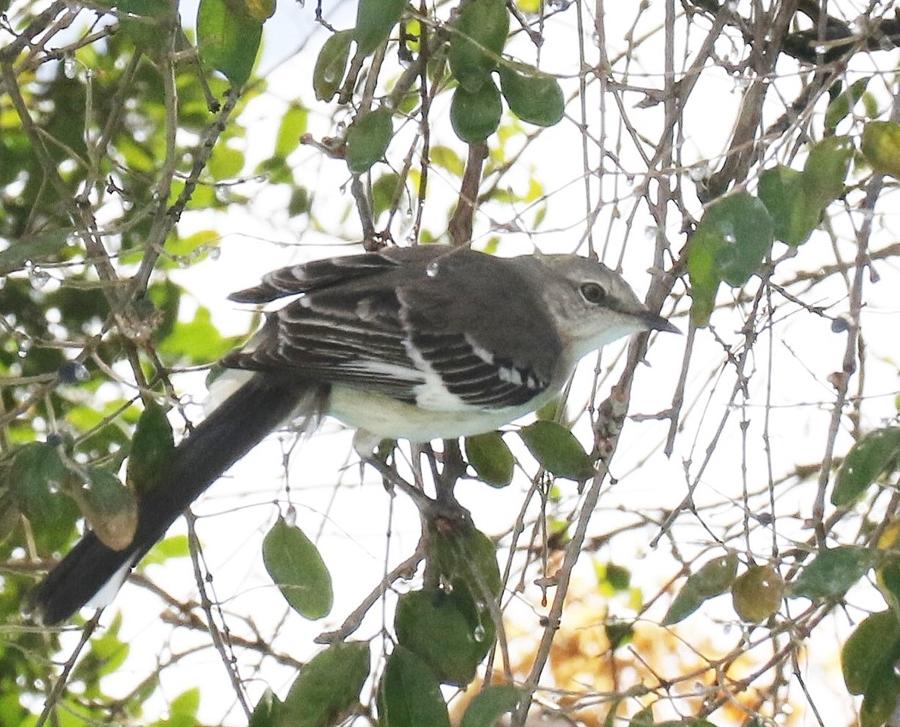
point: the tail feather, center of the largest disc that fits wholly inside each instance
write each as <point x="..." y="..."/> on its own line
<point x="93" y="569"/>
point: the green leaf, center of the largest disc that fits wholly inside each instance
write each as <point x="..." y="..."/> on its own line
<point x="826" y="169"/>
<point x="198" y="341"/>
<point x="32" y="248"/>
<point x="374" y="21"/>
<point x="439" y="628"/>
<point x="36" y="475"/>
<point x="465" y="554"/>
<point x="185" y="704"/>
<point x="147" y="25"/>
<point x="108" y="652"/>
<point x="644" y="718"/>
<point x="729" y="244"/>
<point x="294" y="564"/>
<point x="841" y="106"/>
<point x="489" y="704"/>
<point x="192" y="245"/>
<point x="478" y="38"/>
<point x="9" y="512"/>
<point x="109" y="507"/>
<point x="409" y="694"/>
<point x="447" y="159"/>
<point x="832" y="572"/>
<point x="331" y="65"/>
<point x="533" y="96"/>
<point x="384" y="191"/>
<point x="714" y="578"/>
<point x="557" y="450"/>
<point x="228" y="39"/>
<point x="880" y="700"/>
<point x="881" y="146"/>
<point x="151" y="448"/>
<point x="871" y="456"/>
<point x="292" y="127"/>
<point x="267" y="711"/>
<point x="794" y="216"/>
<point x="368" y="138"/>
<point x="618" y="633"/>
<point x="175" y="546"/>
<point x="491" y="458"/>
<point x="225" y="162"/>
<point x="327" y="688"/>
<point x="873" y="646"/>
<point x="475" y="115"/>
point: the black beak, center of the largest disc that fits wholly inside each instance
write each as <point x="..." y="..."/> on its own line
<point x="654" y="322"/>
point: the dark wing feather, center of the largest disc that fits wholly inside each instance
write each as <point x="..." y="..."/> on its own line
<point x="353" y="327"/>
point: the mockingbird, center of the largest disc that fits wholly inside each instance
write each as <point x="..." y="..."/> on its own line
<point x="414" y="343"/>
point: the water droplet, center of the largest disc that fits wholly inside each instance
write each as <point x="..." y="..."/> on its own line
<point x="432" y="269"/>
<point x="478" y="633"/>
<point x="729" y="238"/>
<point x="290" y="515"/>
<point x="650" y="232"/>
<point x="215" y="253"/>
<point x="39" y="278"/>
<point x="69" y="67"/>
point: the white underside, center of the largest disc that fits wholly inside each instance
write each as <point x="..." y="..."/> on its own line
<point x="391" y="419"/>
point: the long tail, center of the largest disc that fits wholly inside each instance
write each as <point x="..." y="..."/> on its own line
<point x="226" y="435"/>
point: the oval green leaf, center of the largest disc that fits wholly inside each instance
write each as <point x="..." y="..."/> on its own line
<point x="880" y="700"/>
<point x="374" y="21"/>
<point x="409" y="694"/>
<point x="478" y="38"/>
<point x="294" y="564"/>
<point x="476" y="115"/>
<point x="266" y="711"/>
<point x="151" y="448"/>
<point x="327" y="688"/>
<point x="228" y="39"/>
<point x="872" y="455"/>
<point x="465" y="555"/>
<point x="33" y="248"/>
<point x="832" y="572"/>
<point x="367" y="139"/>
<point x="841" y="106"/>
<point x="533" y="96"/>
<point x="881" y="146"/>
<point x="491" y="458"/>
<point x="729" y="244"/>
<point x="826" y="169"/>
<point x="439" y="628"/>
<point x="557" y="450"/>
<point x="714" y="578"/>
<point x="872" y="646"/>
<point x="36" y="477"/>
<point x="489" y="704"/>
<point x="794" y="217"/>
<point x="331" y="65"/>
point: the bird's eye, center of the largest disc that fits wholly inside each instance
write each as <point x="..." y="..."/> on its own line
<point x="593" y="292"/>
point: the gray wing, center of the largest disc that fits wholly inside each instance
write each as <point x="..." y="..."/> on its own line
<point x="393" y="325"/>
